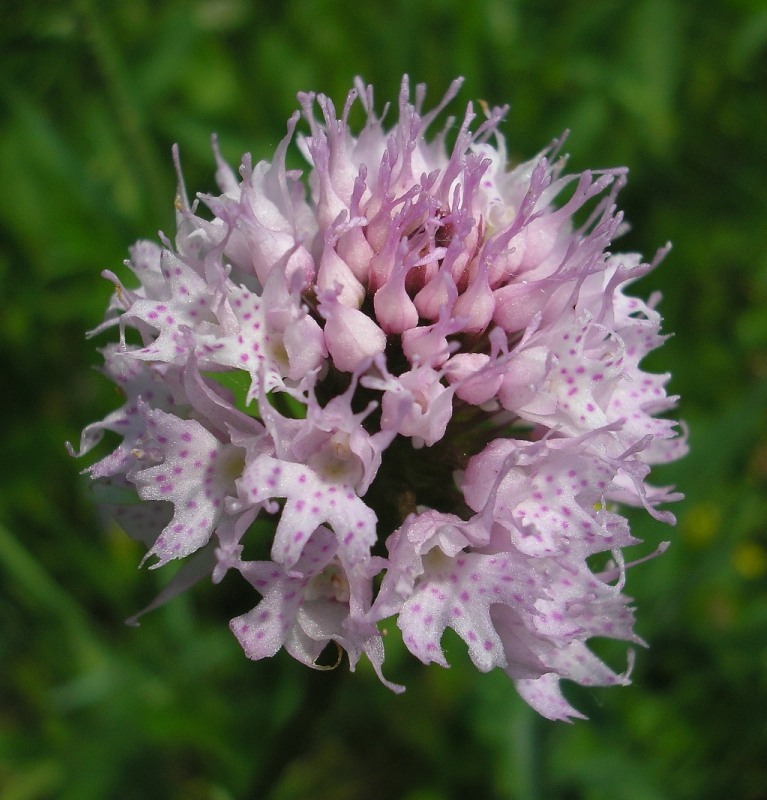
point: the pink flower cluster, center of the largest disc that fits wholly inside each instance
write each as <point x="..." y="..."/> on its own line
<point x="421" y="375"/>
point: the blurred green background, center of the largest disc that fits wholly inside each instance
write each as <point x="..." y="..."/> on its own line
<point x="92" y="96"/>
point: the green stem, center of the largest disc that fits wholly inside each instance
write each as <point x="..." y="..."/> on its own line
<point x="529" y="738"/>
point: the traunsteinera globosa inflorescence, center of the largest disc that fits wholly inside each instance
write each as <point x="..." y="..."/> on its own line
<point x="413" y="386"/>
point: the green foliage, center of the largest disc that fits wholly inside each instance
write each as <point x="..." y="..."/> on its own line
<point x="92" y="97"/>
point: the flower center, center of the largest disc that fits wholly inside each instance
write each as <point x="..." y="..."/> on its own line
<point x="335" y="462"/>
<point x="330" y="584"/>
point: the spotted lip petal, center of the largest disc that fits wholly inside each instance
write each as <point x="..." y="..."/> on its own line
<point x="310" y="500"/>
<point x="195" y="474"/>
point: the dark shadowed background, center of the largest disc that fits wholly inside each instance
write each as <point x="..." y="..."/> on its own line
<point x="92" y="96"/>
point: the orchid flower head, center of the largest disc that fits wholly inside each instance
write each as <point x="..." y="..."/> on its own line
<point x="417" y="365"/>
